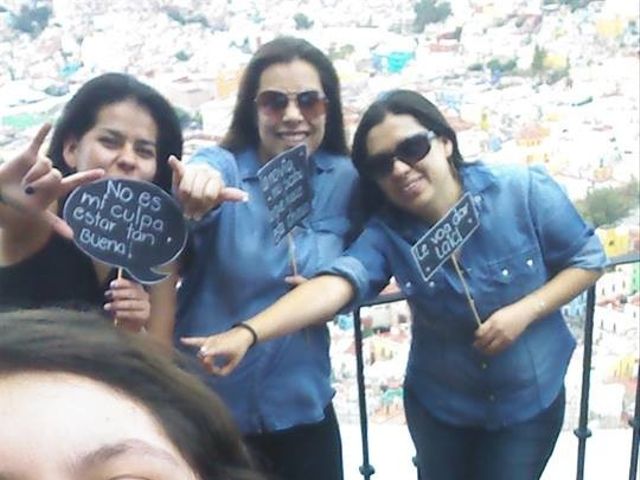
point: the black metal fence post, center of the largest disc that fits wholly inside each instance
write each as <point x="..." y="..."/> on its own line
<point x="366" y="469"/>
<point x="582" y="432"/>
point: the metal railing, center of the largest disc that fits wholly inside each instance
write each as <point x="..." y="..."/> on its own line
<point x="582" y="432"/>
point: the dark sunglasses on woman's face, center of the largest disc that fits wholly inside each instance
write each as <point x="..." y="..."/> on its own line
<point x="410" y="151"/>
<point x="274" y="103"/>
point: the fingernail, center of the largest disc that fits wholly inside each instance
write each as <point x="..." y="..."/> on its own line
<point x="107" y="307"/>
<point x="108" y="294"/>
<point x="29" y="190"/>
<point x="113" y="284"/>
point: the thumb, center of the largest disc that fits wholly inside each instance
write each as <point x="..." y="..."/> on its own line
<point x="178" y="170"/>
<point x="227" y="368"/>
<point x="482" y="330"/>
<point x="57" y="224"/>
<point x="73" y="181"/>
<point x="231" y="194"/>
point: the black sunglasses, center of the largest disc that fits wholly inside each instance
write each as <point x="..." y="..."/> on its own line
<point x="410" y="151"/>
<point x="274" y="103"/>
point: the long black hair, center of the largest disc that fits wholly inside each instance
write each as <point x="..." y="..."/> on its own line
<point x="81" y="112"/>
<point x="243" y="131"/>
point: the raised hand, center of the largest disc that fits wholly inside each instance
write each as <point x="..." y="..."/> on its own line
<point x="30" y="183"/>
<point x="200" y="188"/>
<point x="129" y="303"/>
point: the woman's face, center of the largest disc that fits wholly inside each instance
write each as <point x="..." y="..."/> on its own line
<point x="67" y="427"/>
<point x="425" y="184"/>
<point x="297" y="117"/>
<point x="122" y="142"/>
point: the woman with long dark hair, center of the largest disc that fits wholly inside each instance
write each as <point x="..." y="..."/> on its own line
<point x="281" y="397"/>
<point x="484" y="394"/>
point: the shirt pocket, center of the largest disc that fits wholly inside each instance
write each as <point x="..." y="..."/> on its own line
<point x="509" y="279"/>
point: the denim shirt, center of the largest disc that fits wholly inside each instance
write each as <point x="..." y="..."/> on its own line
<point x="237" y="270"/>
<point x="528" y="232"/>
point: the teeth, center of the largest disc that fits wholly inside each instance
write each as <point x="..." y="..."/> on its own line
<point x="294" y="136"/>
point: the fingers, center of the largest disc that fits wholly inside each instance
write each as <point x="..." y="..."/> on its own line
<point x="216" y="361"/>
<point x="193" y="341"/>
<point x="295" y="280"/>
<point x="41" y="170"/>
<point x="178" y="171"/>
<point x="38" y="140"/>
<point x="200" y="188"/>
<point x="73" y="181"/>
<point x="484" y="336"/>
<point x="231" y="194"/>
<point x="129" y="302"/>
<point x="490" y="340"/>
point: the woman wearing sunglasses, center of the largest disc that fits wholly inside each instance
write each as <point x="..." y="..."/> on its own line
<point x="482" y="401"/>
<point x="281" y="396"/>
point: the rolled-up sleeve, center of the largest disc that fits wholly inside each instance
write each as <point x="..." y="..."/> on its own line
<point x="565" y="238"/>
<point x="364" y="265"/>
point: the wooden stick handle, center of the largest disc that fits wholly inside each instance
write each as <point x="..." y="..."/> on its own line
<point x="118" y="277"/>
<point x="472" y="303"/>
<point x="292" y="254"/>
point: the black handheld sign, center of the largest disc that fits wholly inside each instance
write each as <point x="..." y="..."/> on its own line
<point x="284" y="181"/>
<point x="129" y="224"/>
<point x="442" y="240"/>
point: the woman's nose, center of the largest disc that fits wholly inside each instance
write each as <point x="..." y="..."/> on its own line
<point x="127" y="156"/>
<point x="399" y="168"/>
<point x="292" y="111"/>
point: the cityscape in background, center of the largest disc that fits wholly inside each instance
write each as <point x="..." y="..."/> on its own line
<point x="527" y="82"/>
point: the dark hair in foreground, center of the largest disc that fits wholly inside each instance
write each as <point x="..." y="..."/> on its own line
<point x="82" y="343"/>
<point x="243" y="131"/>
<point x="397" y="102"/>
<point x="81" y="112"/>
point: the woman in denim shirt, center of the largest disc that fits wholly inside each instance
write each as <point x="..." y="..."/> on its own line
<point x="281" y="395"/>
<point x="483" y="402"/>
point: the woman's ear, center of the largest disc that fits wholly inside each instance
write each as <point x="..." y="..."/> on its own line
<point x="448" y="147"/>
<point x="69" y="152"/>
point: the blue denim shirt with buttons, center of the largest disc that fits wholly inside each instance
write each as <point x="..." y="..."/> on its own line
<point x="529" y="231"/>
<point x="237" y="270"/>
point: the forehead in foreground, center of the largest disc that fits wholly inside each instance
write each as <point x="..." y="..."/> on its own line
<point x="68" y="427"/>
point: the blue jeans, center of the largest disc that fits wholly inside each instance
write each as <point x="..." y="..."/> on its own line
<point x="515" y="452"/>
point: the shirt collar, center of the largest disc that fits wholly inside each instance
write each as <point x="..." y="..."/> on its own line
<point x="476" y="177"/>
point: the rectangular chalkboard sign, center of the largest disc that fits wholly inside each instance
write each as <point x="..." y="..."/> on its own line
<point x="285" y="183"/>
<point x="442" y="240"/>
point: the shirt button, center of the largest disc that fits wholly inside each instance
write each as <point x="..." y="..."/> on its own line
<point x="483" y="365"/>
<point x="529" y="262"/>
<point x="492" y="398"/>
<point x="432" y="284"/>
<point x="477" y="199"/>
<point x="505" y="272"/>
<point x="407" y="285"/>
